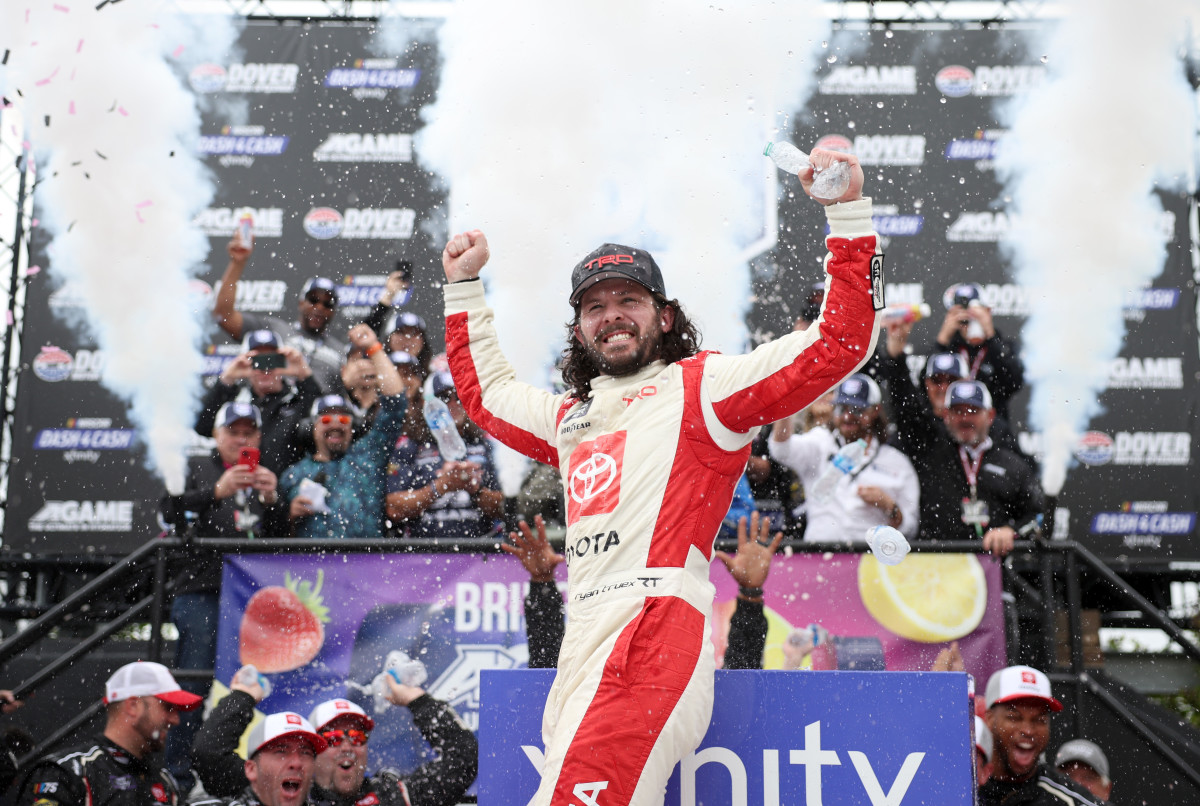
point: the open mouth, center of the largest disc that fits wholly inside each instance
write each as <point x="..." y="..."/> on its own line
<point x="346" y="764"/>
<point x="616" y="336"/>
<point x="1023" y="756"/>
<point x="291" y="786"/>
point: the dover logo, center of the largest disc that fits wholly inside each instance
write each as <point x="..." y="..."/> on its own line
<point x="323" y="223"/>
<point x="954" y="80"/>
<point x="594" y="478"/>
<point x="835" y="142"/>
<point x="207" y="78"/>
<point x="1094" y="448"/>
<point x="53" y="364"/>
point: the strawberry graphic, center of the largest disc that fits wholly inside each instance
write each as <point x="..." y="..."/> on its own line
<point x="283" y="626"/>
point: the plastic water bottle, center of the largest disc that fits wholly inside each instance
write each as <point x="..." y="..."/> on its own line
<point x="843" y="463"/>
<point x="401" y="668"/>
<point x="441" y="423"/>
<point x="887" y="544"/>
<point x="908" y="312"/>
<point x="248" y="675"/>
<point x="829" y="183"/>
<point x="245" y="230"/>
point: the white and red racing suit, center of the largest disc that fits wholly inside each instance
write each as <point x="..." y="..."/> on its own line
<point x="649" y="463"/>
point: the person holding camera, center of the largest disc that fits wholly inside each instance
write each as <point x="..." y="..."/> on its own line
<point x="990" y="357"/>
<point x="278" y="381"/>
<point x="228" y="493"/>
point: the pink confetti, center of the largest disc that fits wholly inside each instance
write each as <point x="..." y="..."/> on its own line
<point x="32" y="270"/>
<point x="79" y="47"/>
<point x="60" y="7"/>
<point x="8" y="316"/>
<point x="26" y="15"/>
<point x="142" y="204"/>
<point x="43" y="82"/>
<point x="34" y="222"/>
<point x="71" y="108"/>
<point x="26" y="145"/>
<point x="177" y="52"/>
<point x="137" y="210"/>
<point x="121" y="109"/>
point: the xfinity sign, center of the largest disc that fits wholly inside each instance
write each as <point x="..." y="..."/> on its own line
<point x="869" y="738"/>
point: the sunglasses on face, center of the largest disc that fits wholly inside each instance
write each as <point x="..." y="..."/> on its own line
<point x="335" y="737"/>
<point x="318" y="299"/>
<point x="344" y="419"/>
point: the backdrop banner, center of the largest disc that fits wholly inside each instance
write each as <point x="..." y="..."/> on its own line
<point x="841" y="738"/>
<point x="321" y="627"/>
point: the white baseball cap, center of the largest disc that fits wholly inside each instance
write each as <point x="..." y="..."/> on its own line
<point x="279" y="726"/>
<point x="148" y="679"/>
<point x="983" y="739"/>
<point x="330" y="710"/>
<point x="1020" y="683"/>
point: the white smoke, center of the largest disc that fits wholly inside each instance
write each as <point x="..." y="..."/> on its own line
<point x="118" y="186"/>
<point x="1080" y="161"/>
<point x="560" y="126"/>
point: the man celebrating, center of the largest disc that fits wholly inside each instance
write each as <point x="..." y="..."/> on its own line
<point x="651" y="437"/>
<point x="1019" y="704"/>
<point x="281" y="753"/>
<point x="116" y="768"/>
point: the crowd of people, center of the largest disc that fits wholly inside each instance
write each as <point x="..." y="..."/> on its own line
<point x="316" y="435"/>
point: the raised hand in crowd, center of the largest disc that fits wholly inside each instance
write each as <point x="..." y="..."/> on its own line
<point x="949" y="659"/>
<point x="241" y="477"/>
<point x="531" y="547"/>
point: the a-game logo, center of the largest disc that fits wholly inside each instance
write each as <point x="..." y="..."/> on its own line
<point x="869" y="79"/>
<point x="890" y="149"/>
<point x="987" y="226"/>
<point x="83" y="516"/>
<point x="372" y="78"/>
<point x="220" y="222"/>
<point x="1146" y="373"/>
<point x="365" y="147"/>
<point x="54" y="364"/>
<point x="269" y="77"/>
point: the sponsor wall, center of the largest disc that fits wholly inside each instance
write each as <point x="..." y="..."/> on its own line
<point x="919" y="109"/>
<point x="461" y="614"/>
<point x="324" y="161"/>
<point x="310" y="132"/>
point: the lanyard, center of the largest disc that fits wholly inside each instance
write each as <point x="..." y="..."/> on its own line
<point x="977" y="362"/>
<point x="970" y="466"/>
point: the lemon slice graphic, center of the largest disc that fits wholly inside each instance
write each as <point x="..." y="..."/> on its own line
<point x="930" y="598"/>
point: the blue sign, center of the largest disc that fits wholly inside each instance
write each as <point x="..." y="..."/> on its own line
<point x="831" y="738"/>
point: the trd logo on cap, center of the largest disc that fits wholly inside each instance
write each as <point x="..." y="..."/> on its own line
<point x="604" y="260"/>
<point x="1028" y="677"/>
<point x="292" y="719"/>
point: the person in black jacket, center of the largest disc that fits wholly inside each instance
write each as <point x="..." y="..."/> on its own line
<point x="436" y="783"/>
<point x="283" y="395"/>
<point x="118" y="767"/>
<point x="970" y="487"/>
<point x="224" y="497"/>
<point x="544" y="616"/>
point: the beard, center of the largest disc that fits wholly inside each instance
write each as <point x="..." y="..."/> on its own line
<point x="648" y="346"/>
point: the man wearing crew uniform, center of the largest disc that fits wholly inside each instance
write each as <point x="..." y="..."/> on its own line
<point x="651" y="437"/>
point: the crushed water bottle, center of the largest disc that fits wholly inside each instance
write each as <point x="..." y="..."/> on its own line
<point x="245" y="230"/>
<point x="887" y="544"/>
<point x="906" y="312"/>
<point x="401" y="668"/>
<point x="441" y="423"/>
<point x="843" y="463"/>
<point x="248" y="675"/>
<point x="829" y="183"/>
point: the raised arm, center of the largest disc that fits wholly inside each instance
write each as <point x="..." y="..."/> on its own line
<point x="228" y="317"/>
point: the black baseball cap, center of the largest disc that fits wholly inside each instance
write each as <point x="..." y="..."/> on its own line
<point x="614" y="260"/>
<point x="968" y="393"/>
<point x="260" y="340"/>
<point x="320" y="284"/>
<point x="402" y="319"/>
<point x="236" y="410"/>
<point x="441" y="384"/>
<point x="328" y="403"/>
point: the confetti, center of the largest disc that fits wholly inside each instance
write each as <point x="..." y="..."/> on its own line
<point x="137" y="210"/>
<point x="34" y="222"/>
<point x="79" y="47"/>
<point x="32" y="270"/>
<point x="47" y="119"/>
<point x="62" y="8"/>
<point x="121" y="109"/>
<point x="43" y="82"/>
<point x="8" y="317"/>
<point x="71" y="108"/>
<point x="101" y="156"/>
<point x="175" y="53"/>
<point x="5" y="59"/>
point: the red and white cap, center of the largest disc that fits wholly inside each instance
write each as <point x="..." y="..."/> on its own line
<point x="1020" y="683"/>
<point x="330" y="710"/>
<point x="282" y="725"/>
<point x="148" y="679"/>
<point x="983" y="739"/>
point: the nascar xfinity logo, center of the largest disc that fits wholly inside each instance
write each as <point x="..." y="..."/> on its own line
<point x="890" y="149"/>
<point x="956" y="81"/>
<point x="220" y="222"/>
<point x="980" y="227"/>
<point x="870" y="80"/>
<point x="83" y="516"/>
<point x="365" y="148"/>
<point x="53" y="364"/>
<point x="255" y="77"/>
<point x="1146" y="373"/>
<point x="324" y="223"/>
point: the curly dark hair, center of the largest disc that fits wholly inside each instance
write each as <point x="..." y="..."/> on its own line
<point x="578" y="368"/>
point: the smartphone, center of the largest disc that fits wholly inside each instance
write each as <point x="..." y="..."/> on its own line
<point x="248" y="457"/>
<point x="264" y="362"/>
